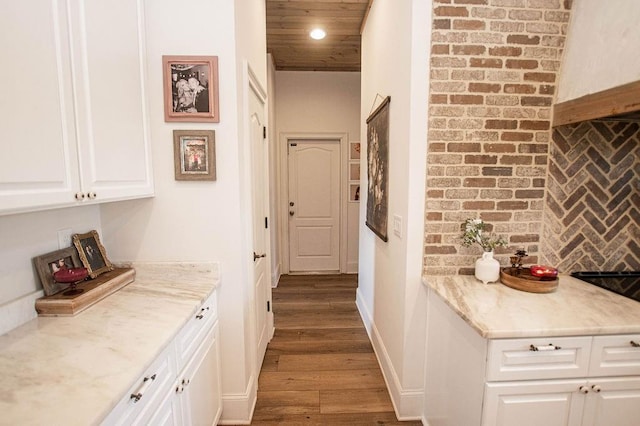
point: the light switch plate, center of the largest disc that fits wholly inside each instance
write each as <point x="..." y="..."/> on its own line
<point x="397" y="225"/>
<point x="64" y="238"/>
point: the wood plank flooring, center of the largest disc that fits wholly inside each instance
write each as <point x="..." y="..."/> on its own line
<point x="320" y="368"/>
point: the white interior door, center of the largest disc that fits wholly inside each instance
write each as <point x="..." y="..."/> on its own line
<point x="314" y="206"/>
<point x="260" y="180"/>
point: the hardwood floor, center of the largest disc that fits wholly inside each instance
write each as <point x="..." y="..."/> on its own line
<point x="320" y="368"/>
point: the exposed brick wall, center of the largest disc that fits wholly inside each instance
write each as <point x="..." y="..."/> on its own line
<point x="592" y="214"/>
<point x="494" y="66"/>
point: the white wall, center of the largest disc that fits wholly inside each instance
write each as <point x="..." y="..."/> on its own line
<point x="322" y="102"/>
<point x="274" y="188"/>
<point x="601" y="49"/>
<point x="203" y="221"/>
<point x="391" y="297"/>
<point x="22" y="237"/>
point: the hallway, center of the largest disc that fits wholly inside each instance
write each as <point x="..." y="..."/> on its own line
<point x="320" y="368"/>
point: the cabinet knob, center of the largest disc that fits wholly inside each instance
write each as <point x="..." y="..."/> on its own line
<point x="583" y="389"/>
<point x="596" y="388"/>
<point x="634" y="344"/>
<point x="92" y="195"/>
<point x="79" y="196"/>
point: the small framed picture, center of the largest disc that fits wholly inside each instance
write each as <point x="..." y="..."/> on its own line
<point x="354" y="151"/>
<point x="191" y="88"/>
<point x="92" y="254"/>
<point x="354" y="192"/>
<point x="354" y="171"/>
<point x="50" y="263"/>
<point x="194" y="154"/>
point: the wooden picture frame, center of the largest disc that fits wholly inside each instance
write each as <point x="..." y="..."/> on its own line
<point x="378" y="169"/>
<point x="49" y="263"/>
<point x="191" y="88"/>
<point x="194" y="154"/>
<point x="92" y="253"/>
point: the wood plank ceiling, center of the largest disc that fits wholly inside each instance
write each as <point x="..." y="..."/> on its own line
<point x="288" y="41"/>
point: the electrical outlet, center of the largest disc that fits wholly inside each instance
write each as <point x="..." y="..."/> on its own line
<point x="397" y="225"/>
<point x="64" y="238"/>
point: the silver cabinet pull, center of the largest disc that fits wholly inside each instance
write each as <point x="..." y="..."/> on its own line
<point x="202" y="312"/>
<point x="136" y="396"/>
<point x="541" y="348"/>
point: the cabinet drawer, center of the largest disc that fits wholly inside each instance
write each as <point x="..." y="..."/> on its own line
<point x="196" y="329"/>
<point x="615" y="355"/>
<point x="539" y="358"/>
<point x="149" y="388"/>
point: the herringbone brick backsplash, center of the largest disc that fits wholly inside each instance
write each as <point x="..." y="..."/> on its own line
<point x="592" y="212"/>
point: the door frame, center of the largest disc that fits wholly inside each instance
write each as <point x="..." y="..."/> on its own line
<point x="283" y="141"/>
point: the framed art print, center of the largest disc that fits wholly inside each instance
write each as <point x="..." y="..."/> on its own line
<point x="191" y="88"/>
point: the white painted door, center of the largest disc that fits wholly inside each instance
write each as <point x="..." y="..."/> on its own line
<point x="260" y="180"/>
<point x="314" y="206"/>
<point x="613" y="401"/>
<point x="533" y="403"/>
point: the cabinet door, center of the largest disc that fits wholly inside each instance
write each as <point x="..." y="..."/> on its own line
<point x="109" y="61"/>
<point x="613" y="401"/>
<point x="549" y="403"/>
<point x="38" y="165"/>
<point x="201" y="399"/>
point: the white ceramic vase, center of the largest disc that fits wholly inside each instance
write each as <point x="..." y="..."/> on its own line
<point x="487" y="268"/>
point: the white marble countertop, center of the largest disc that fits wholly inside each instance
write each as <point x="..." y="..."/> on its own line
<point x="575" y="308"/>
<point x="74" y="370"/>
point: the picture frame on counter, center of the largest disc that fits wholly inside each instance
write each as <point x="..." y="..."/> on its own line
<point x="47" y="264"/>
<point x="194" y="153"/>
<point x="92" y="253"/>
<point x="191" y="88"/>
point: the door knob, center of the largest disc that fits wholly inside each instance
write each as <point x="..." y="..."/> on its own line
<point x="291" y="212"/>
<point x="258" y="256"/>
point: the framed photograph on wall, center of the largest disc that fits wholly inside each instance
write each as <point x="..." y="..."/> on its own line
<point x="354" y="151"/>
<point x="92" y="253"/>
<point x="354" y="171"/>
<point x="354" y="192"/>
<point x="194" y="154"/>
<point x="378" y="169"/>
<point x="191" y="88"/>
<point x="47" y="264"/>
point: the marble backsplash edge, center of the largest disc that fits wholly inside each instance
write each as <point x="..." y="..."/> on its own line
<point x="22" y="310"/>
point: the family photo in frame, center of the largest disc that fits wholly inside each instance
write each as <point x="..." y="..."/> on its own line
<point x="92" y="253"/>
<point x="194" y="154"/>
<point x="191" y="88"/>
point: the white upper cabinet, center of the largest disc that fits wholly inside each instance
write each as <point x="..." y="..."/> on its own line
<point x="74" y="125"/>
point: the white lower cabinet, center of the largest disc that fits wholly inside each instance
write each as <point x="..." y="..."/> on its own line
<point x="551" y="381"/>
<point x="185" y="389"/>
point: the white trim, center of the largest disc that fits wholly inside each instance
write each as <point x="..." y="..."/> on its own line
<point x="283" y="142"/>
<point x="237" y="408"/>
<point x="407" y="403"/>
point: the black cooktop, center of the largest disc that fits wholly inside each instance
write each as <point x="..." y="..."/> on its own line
<point x="625" y="283"/>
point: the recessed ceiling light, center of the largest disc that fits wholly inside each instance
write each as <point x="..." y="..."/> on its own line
<point x="317" y="34"/>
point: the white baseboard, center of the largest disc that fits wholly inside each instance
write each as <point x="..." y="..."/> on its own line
<point x="364" y="313"/>
<point x="19" y="311"/>
<point x="352" y="267"/>
<point x="275" y="275"/>
<point x="407" y="403"/>
<point x="237" y="409"/>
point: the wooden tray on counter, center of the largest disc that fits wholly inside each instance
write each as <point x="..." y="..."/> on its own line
<point x="94" y="291"/>
<point x="524" y="281"/>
